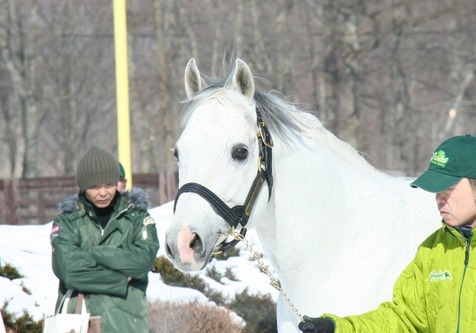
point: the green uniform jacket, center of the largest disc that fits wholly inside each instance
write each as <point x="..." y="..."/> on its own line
<point x="436" y="293"/>
<point x="98" y="262"/>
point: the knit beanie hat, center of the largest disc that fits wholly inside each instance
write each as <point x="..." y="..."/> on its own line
<point x="96" y="167"/>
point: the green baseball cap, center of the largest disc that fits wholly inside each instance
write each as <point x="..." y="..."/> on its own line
<point x="454" y="159"/>
<point x="122" y="172"/>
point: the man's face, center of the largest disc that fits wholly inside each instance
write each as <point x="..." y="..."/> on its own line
<point x="457" y="205"/>
<point x="101" y="195"/>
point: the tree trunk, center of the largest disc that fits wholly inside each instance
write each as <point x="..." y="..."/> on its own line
<point x="21" y="66"/>
<point x="167" y="165"/>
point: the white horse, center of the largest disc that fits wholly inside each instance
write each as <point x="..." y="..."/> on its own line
<point x="337" y="231"/>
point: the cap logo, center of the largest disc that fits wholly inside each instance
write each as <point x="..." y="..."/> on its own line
<point x="439" y="158"/>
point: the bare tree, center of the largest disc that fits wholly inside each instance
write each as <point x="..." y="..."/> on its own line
<point x="77" y="76"/>
<point x="167" y="169"/>
<point x="144" y="151"/>
<point x="393" y="78"/>
<point x="462" y="65"/>
<point x="17" y="45"/>
<point x="283" y="55"/>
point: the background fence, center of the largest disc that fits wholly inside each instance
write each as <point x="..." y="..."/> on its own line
<point x="35" y="200"/>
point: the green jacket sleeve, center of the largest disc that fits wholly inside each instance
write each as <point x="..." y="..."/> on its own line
<point x="134" y="259"/>
<point x="76" y="268"/>
<point x="406" y="313"/>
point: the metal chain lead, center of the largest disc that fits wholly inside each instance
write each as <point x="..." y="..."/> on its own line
<point x="274" y="282"/>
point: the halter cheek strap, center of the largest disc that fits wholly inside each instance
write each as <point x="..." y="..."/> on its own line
<point x="266" y="157"/>
<point x="240" y="214"/>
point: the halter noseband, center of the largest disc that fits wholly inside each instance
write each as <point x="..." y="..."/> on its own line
<point x="240" y="214"/>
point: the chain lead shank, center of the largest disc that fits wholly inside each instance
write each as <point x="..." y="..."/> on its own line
<point x="264" y="268"/>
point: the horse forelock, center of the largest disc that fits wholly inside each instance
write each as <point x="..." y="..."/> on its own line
<point x="209" y="95"/>
<point x="278" y="113"/>
<point x="192" y="103"/>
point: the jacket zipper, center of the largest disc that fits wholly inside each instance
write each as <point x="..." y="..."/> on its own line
<point x="115" y="217"/>
<point x="466" y="261"/>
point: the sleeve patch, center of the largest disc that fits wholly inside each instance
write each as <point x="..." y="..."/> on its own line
<point x="54" y="233"/>
<point x="148" y="220"/>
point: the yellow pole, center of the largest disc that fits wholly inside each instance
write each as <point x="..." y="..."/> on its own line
<point x="122" y="89"/>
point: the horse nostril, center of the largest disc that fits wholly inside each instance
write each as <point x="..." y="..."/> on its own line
<point x="169" y="251"/>
<point x="196" y="244"/>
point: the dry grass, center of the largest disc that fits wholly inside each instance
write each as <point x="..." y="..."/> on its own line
<point x="168" y="317"/>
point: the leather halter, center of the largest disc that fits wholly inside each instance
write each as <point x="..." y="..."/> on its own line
<point x="240" y="214"/>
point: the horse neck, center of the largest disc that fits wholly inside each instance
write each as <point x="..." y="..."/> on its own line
<point x="320" y="181"/>
<point x="326" y="153"/>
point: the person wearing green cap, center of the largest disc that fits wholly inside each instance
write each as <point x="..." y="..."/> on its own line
<point x="437" y="291"/>
<point x="121" y="184"/>
<point x="104" y="244"/>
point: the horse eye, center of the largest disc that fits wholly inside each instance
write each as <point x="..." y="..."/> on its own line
<point x="239" y="152"/>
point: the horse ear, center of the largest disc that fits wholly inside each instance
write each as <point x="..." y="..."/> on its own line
<point x="193" y="79"/>
<point x="243" y="79"/>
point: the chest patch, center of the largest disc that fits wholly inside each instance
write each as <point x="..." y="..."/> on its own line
<point x="445" y="275"/>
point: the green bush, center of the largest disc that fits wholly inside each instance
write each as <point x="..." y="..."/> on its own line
<point x="215" y="296"/>
<point x="230" y="275"/>
<point x="173" y="277"/>
<point x="9" y="272"/>
<point x="23" y="324"/>
<point x="214" y="274"/>
<point x="258" y="311"/>
<point x="233" y="252"/>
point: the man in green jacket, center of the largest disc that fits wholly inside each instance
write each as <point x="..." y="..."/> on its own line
<point x="104" y="244"/>
<point x="437" y="291"/>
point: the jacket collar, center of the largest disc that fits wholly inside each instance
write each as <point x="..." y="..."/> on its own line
<point x="136" y="198"/>
<point x="91" y="210"/>
<point x="464" y="232"/>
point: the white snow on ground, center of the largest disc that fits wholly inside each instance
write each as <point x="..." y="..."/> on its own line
<point x="27" y="248"/>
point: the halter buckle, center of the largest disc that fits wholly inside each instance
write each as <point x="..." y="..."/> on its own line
<point x="264" y="134"/>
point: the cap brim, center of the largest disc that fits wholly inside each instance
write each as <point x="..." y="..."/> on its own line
<point x="434" y="182"/>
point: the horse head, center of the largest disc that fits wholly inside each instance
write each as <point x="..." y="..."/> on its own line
<point x="224" y="159"/>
